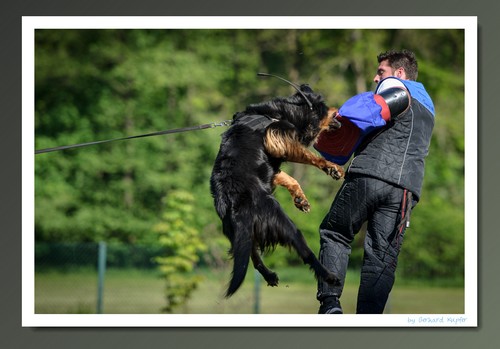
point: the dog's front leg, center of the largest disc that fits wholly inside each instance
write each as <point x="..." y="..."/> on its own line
<point x="291" y="150"/>
<point x="300" y="154"/>
<point x="299" y="198"/>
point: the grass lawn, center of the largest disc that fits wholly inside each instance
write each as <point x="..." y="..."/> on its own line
<point x="141" y="292"/>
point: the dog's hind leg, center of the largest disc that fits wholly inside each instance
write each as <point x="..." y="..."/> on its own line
<point x="300" y="245"/>
<point x="286" y="233"/>
<point x="270" y="276"/>
<point x="299" y="198"/>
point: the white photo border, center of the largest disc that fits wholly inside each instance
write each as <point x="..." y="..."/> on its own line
<point x="468" y="319"/>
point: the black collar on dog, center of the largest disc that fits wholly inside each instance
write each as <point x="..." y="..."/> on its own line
<point x="255" y="122"/>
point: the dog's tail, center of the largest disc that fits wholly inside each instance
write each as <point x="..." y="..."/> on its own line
<point x="240" y="250"/>
<point x="241" y="258"/>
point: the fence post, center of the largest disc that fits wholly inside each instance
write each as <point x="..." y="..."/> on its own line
<point x="101" y="270"/>
<point x="256" y="305"/>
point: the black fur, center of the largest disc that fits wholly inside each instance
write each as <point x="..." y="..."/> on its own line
<point x="243" y="180"/>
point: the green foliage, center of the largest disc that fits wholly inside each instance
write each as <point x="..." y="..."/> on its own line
<point x="101" y="84"/>
<point x="178" y="235"/>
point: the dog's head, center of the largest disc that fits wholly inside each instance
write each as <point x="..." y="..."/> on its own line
<point x="315" y="118"/>
<point x="305" y="111"/>
<point x="304" y="105"/>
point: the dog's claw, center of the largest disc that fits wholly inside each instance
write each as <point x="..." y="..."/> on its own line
<point x="272" y="280"/>
<point x="336" y="172"/>
<point x="332" y="279"/>
<point x="302" y="204"/>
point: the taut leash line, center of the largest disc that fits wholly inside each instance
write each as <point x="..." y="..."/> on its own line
<point x="177" y="130"/>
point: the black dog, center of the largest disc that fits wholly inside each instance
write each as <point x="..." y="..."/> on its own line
<point x="247" y="169"/>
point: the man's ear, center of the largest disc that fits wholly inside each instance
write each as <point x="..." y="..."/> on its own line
<point x="400" y="73"/>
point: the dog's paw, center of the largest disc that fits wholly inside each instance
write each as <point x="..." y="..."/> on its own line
<point x="332" y="279"/>
<point x="335" y="171"/>
<point x="302" y="204"/>
<point x="272" y="279"/>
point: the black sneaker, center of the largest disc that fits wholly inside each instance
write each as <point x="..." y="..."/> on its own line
<point x="330" y="305"/>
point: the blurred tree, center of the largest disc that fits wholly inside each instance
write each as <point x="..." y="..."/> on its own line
<point x="177" y="232"/>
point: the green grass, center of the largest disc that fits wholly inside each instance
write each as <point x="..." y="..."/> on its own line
<point x="141" y="292"/>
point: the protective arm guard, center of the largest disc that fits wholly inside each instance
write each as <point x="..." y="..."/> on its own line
<point x="359" y="116"/>
<point x="393" y="101"/>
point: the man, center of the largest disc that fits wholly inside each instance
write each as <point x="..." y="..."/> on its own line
<point x="389" y="132"/>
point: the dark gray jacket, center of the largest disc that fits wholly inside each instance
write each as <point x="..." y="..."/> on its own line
<point x="396" y="153"/>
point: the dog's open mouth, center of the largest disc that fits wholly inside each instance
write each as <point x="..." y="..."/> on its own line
<point x="334" y="124"/>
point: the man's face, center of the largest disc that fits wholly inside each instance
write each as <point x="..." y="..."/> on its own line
<point x="384" y="70"/>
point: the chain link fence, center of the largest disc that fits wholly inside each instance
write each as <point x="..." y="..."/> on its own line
<point x="117" y="278"/>
<point x="97" y="278"/>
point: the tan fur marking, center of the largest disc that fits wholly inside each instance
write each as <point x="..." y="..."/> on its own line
<point x="326" y="123"/>
<point x="299" y="198"/>
<point x="276" y="144"/>
<point x="285" y="180"/>
<point x="288" y="148"/>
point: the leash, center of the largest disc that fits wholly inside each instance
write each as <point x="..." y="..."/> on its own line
<point x="192" y="128"/>
<point x="177" y="130"/>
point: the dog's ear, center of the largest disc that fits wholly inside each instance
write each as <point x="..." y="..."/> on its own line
<point x="306" y="88"/>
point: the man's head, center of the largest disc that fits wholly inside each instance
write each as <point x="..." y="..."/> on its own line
<point x="401" y="64"/>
